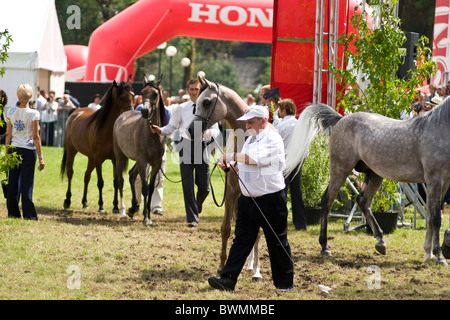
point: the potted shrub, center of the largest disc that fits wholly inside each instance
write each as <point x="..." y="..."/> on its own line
<point x="382" y="207"/>
<point x="315" y="178"/>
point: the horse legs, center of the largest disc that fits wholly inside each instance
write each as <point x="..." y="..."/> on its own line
<point x="70" y="156"/>
<point x="147" y="190"/>
<point x="326" y="202"/>
<point x="115" y="201"/>
<point x="87" y="178"/>
<point x="253" y="264"/>
<point x="434" y="221"/>
<point x="135" y="185"/>
<point x="371" y="185"/>
<point x="100" y="184"/>
<point x="118" y="173"/>
<point x="225" y="229"/>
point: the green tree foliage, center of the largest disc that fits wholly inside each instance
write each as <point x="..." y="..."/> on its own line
<point x="6" y="160"/>
<point x="374" y="56"/>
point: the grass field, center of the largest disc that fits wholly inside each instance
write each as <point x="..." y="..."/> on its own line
<point x="83" y="255"/>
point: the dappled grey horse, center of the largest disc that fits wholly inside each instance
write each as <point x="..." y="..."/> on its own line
<point x="133" y="139"/>
<point x="216" y="103"/>
<point x="416" y="150"/>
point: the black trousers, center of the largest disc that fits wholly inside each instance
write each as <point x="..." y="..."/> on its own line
<point x="194" y="171"/>
<point x="249" y="220"/>
<point x="294" y="185"/>
<point x="21" y="184"/>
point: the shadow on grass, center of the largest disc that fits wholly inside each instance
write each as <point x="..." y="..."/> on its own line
<point x="89" y="217"/>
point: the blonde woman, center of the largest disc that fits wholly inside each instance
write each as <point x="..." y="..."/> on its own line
<point x="22" y="136"/>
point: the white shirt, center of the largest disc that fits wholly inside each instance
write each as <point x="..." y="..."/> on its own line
<point x="181" y="118"/>
<point x="267" y="175"/>
<point x="50" y="114"/>
<point x="21" y="121"/>
<point x="285" y="128"/>
<point x="94" y="106"/>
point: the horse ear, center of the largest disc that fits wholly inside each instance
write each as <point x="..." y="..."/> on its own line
<point x="114" y="83"/>
<point x="202" y="80"/>
<point x="205" y="82"/>
<point x="129" y="78"/>
<point x="145" y="79"/>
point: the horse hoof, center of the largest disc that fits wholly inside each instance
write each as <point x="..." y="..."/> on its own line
<point x="123" y="218"/>
<point x="381" y="247"/>
<point x="326" y="252"/>
<point x="442" y="262"/>
<point x="257" y="279"/>
<point x="101" y="211"/>
<point x="130" y="213"/>
<point x="66" y="205"/>
<point x="115" y="211"/>
<point x="147" y="222"/>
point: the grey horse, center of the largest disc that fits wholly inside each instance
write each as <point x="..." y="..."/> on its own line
<point x="133" y="139"/>
<point x="414" y="150"/>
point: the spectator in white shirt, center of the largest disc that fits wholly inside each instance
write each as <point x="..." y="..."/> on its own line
<point x="191" y="156"/>
<point x="287" y="111"/>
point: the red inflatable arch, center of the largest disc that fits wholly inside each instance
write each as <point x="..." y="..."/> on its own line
<point x="116" y="44"/>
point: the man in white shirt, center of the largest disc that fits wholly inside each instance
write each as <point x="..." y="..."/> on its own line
<point x="287" y="111"/>
<point x="191" y="155"/>
<point x="260" y="167"/>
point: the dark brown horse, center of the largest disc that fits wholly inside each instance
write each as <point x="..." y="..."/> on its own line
<point x="90" y="132"/>
<point x="133" y="140"/>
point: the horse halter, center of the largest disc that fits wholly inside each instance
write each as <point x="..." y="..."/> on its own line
<point x="205" y="120"/>
<point x="146" y="112"/>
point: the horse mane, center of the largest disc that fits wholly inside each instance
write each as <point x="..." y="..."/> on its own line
<point x="438" y="117"/>
<point x="99" y="117"/>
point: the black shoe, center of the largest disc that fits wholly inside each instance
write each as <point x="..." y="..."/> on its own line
<point x="223" y="284"/>
<point x="285" y="289"/>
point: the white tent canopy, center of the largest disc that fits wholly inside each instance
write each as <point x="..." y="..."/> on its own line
<point x="36" y="55"/>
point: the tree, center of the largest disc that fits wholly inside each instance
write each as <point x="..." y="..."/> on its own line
<point x="6" y="160"/>
<point x="374" y="56"/>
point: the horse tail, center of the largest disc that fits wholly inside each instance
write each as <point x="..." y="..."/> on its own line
<point x="315" y="118"/>
<point x="63" y="164"/>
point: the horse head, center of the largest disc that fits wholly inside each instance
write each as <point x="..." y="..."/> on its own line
<point x="122" y="95"/>
<point x="210" y="105"/>
<point x="152" y="96"/>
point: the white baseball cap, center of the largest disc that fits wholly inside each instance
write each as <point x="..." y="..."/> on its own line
<point x="255" y="112"/>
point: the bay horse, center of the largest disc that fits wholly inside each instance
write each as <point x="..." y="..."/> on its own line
<point x="216" y="103"/>
<point x="414" y="151"/>
<point x="89" y="132"/>
<point x="132" y="139"/>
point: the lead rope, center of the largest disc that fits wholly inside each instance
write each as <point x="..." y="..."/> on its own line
<point x="259" y="208"/>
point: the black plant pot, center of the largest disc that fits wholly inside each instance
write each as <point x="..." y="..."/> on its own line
<point x="312" y="216"/>
<point x="386" y="220"/>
